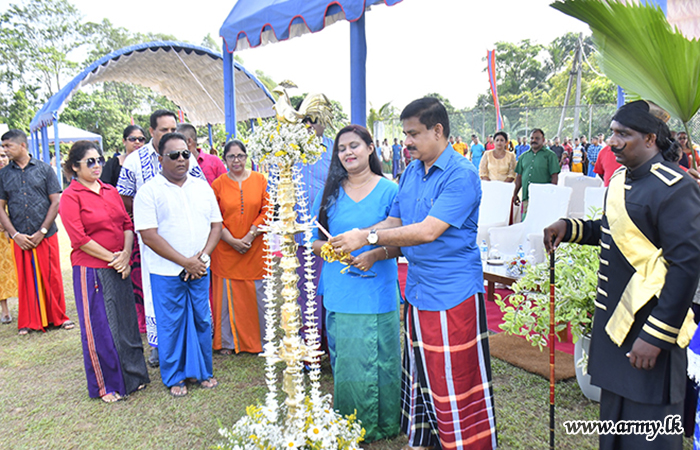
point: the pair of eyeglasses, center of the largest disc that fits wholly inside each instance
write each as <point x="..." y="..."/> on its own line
<point x="90" y="162"/>
<point x="141" y="139"/>
<point x="175" y="155"/>
<point x="241" y="157"/>
<point x="354" y="273"/>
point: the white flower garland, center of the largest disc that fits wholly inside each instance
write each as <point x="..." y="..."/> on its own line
<point x="280" y="144"/>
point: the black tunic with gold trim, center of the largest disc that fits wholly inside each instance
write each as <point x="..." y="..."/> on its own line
<point x="649" y="266"/>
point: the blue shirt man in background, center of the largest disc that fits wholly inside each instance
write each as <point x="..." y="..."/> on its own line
<point x="396" y="158"/>
<point x="447" y="398"/>
<point x="592" y="152"/>
<point x="477" y="151"/>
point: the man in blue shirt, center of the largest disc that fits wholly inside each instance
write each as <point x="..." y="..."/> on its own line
<point x="477" y="151"/>
<point x="447" y="397"/>
<point x="396" y="158"/>
<point x="592" y="153"/>
<point x="522" y="148"/>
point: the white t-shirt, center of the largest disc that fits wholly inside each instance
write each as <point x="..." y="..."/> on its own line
<point x="182" y="215"/>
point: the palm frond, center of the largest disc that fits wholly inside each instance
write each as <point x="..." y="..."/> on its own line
<point x="641" y="52"/>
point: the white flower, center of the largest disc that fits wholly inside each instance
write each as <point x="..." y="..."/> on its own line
<point x="315" y="432"/>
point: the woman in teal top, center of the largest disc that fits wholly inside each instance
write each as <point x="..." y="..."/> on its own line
<point x="362" y="319"/>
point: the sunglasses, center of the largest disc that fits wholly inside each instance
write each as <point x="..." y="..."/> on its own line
<point x="90" y="162"/>
<point x="141" y="139"/>
<point x="355" y="273"/>
<point x="175" y="155"/>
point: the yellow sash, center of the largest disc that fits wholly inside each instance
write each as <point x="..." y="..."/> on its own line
<point x="648" y="263"/>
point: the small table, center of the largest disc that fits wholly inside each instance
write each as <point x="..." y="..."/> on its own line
<point x="495" y="274"/>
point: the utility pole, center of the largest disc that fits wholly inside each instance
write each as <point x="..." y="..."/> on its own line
<point x="577" y="109"/>
<point x="575" y="70"/>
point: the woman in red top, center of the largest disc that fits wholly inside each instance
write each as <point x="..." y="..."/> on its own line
<point x="101" y="235"/>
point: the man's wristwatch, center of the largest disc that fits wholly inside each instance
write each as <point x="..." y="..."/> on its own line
<point x="372" y="237"/>
<point x="44" y="231"/>
<point x="205" y="259"/>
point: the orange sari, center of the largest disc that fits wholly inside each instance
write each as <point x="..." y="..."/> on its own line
<point x="234" y="274"/>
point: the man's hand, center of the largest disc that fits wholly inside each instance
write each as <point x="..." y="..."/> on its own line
<point x="364" y="261"/>
<point x="349" y="241"/>
<point x="120" y="261"/>
<point x="36" y="238"/>
<point x="24" y="242"/>
<point x="553" y="235"/>
<point x="195" y="267"/>
<point x="643" y="354"/>
<point x="240" y="245"/>
<point x="516" y="200"/>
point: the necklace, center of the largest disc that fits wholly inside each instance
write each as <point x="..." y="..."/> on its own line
<point x="359" y="186"/>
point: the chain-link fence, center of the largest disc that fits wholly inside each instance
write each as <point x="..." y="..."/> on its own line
<point x="517" y="122"/>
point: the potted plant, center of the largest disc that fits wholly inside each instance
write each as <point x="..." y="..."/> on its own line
<point x="526" y="312"/>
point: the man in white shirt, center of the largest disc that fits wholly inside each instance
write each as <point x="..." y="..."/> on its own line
<point x="138" y="168"/>
<point x="179" y="221"/>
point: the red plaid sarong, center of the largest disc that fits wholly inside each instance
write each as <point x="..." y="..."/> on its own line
<point x="447" y="395"/>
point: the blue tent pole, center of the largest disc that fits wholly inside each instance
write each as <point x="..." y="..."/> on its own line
<point x="229" y="94"/>
<point x="358" y="74"/>
<point x="663" y="4"/>
<point x="45" y="145"/>
<point x="211" y="138"/>
<point x="57" y="151"/>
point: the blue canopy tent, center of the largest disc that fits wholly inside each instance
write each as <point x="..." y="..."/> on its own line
<point x="190" y="76"/>
<point x="252" y="23"/>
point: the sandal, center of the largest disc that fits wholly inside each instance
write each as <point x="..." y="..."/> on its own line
<point x="23" y="331"/>
<point x="178" y="390"/>
<point x="142" y="387"/>
<point x="6" y="319"/>
<point x="210" y="383"/>
<point x="226" y="352"/>
<point x="111" y="397"/>
<point x="67" y="325"/>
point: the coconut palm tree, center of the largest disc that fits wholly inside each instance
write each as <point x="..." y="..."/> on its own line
<point x="643" y="53"/>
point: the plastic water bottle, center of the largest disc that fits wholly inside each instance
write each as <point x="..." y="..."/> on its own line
<point x="521" y="252"/>
<point x="484" y="249"/>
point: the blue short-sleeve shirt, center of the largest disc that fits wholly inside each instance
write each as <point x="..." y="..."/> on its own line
<point x="447" y="271"/>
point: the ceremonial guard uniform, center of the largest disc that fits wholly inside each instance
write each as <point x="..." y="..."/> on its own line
<point x="649" y="265"/>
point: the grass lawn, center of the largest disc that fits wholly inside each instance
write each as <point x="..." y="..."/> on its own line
<point x="44" y="402"/>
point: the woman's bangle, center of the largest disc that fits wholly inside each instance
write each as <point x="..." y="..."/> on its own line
<point x="386" y="252"/>
<point x="14" y="235"/>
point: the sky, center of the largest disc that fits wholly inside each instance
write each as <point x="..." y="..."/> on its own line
<point x="414" y="47"/>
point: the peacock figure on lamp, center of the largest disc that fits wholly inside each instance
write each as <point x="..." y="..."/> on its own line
<point x="304" y="420"/>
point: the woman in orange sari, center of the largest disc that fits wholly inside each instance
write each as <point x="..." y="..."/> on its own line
<point x="237" y="267"/>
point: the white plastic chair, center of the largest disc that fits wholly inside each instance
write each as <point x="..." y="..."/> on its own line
<point x="548" y="203"/>
<point x="494" y="208"/>
<point x="579" y="185"/>
<point x="594" y="197"/>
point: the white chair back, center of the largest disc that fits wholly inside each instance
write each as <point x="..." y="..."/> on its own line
<point x="495" y="202"/>
<point x="548" y="203"/>
<point x="579" y="185"/>
<point x="594" y="197"/>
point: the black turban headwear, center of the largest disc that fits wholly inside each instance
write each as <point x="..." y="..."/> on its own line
<point x="642" y="116"/>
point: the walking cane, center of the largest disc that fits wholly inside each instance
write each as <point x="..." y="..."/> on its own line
<point x="551" y="350"/>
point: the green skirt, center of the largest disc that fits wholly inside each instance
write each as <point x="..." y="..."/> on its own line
<point x="365" y="356"/>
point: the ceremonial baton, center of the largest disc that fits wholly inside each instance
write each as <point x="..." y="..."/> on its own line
<point x="551" y="349"/>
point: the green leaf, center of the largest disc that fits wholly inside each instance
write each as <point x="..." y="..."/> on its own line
<point x="641" y="52"/>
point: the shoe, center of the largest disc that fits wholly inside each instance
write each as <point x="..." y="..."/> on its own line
<point x="210" y="383"/>
<point x="111" y="397"/>
<point x="178" y="390"/>
<point x="153" y="359"/>
<point x="6" y="319"/>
